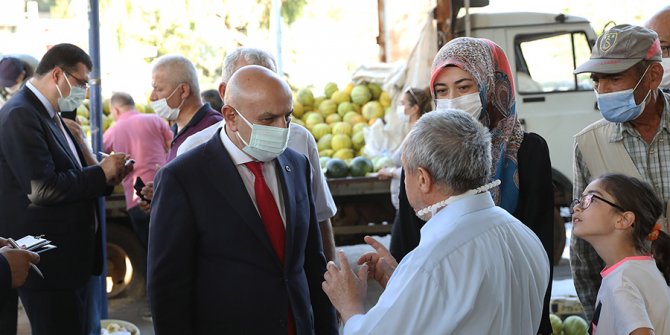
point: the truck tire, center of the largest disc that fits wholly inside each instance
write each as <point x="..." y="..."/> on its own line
<point x="125" y="258"/>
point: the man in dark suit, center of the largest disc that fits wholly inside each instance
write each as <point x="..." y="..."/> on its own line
<point x="49" y="184"/>
<point x="234" y="245"/>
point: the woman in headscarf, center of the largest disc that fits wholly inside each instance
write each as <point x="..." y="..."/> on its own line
<point x="474" y="75"/>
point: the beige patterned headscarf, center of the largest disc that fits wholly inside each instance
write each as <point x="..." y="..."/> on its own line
<point x="488" y="65"/>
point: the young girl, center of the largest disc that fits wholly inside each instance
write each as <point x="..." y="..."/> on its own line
<point x="618" y="216"/>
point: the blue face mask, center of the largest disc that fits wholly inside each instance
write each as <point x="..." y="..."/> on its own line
<point x="620" y="106"/>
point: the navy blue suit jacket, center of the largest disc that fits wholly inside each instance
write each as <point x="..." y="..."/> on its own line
<point x="5" y="279"/>
<point x="211" y="266"/>
<point x="44" y="191"/>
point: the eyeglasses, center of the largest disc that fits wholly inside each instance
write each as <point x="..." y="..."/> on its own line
<point x="665" y="51"/>
<point x="585" y="202"/>
<point x="81" y="83"/>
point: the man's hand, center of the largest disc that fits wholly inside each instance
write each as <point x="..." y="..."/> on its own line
<point x="75" y="129"/>
<point x="380" y="262"/>
<point x="148" y="193"/>
<point x="115" y="167"/>
<point x="344" y="288"/>
<point x="386" y="173"/>
<point x="19" y="263"/>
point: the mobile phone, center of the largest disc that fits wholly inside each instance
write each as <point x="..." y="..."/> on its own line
<point x="139" y="185"/>
<point x="72" y="115"/>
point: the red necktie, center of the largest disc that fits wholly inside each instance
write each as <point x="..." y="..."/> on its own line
<point x="271" y="220"/>
<point x="267" y="207"/>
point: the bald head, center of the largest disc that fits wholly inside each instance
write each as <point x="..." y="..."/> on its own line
<point x="660" y="23"/>
<point x="252" y="83"/>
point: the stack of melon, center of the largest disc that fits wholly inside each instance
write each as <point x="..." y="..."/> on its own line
<point x="337" y="120"/>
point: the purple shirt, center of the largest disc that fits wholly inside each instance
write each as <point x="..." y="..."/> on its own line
<point x="202" y="119"/>
<point x="145" y="138"/>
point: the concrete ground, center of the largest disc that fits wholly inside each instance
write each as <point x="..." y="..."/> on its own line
<point x="135" y="310"/>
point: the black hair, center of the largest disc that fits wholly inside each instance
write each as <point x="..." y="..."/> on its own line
<point x="65" y="56"/>
<point x="213" y="98"/>
<point x="638" y="197"/>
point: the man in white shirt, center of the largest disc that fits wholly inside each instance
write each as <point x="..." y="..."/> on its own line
<point x="477" y="269"/>
<point x="299" y="140"/>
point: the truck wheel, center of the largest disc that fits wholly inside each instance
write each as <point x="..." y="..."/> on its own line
<point x="125" y="257"/>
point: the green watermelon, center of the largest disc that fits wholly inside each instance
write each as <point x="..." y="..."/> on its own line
<point x="575" y="325"/>
<point x="360" y="166"/>
<point x="336" y="168"/>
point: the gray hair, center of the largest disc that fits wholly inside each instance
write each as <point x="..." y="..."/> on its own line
<point x="453" y="147"/>
<point x="180" y="70"/>
<point x="250" y="56"/>
<point x="122" y="99"/>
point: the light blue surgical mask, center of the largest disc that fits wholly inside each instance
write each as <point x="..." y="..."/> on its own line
<point x="620" y="106"/>
<point x="72" y="101"/>
<point x="266" y="142"/>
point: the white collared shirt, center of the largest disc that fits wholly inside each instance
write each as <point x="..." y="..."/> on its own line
<point x="52" y="112"/>
<point x="239" y="157"/>
<point x="476" y="270"/>
<point x="300" y="140"/>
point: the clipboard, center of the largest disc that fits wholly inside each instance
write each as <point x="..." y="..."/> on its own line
<point x="36" y="244"/>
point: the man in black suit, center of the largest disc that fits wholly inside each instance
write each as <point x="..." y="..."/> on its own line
<point x="234" y="245"/>
<point x="49" y="184"/>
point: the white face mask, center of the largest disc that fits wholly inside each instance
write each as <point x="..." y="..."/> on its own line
<point x="266" y="142"/>
<point x="72" y="101"/>
<point x="665" y="81"/>
<point x="162" y="108"/>
<point x="469" y="103"/>
<point x="400" y="111"/>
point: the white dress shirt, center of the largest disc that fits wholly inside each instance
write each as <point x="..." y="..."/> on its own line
<point x="299" y="140"/>
<point x="239" y="157"/>
<point x="52" y="112"/>
<point x="476" y="270"/>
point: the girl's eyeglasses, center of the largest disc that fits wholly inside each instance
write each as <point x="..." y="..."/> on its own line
<point x="585" y="202"/>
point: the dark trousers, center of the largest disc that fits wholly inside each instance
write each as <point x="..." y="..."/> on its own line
<point x="8" y="314"/>
<point x="140" y="222"/>
<point x="58" y="311"/>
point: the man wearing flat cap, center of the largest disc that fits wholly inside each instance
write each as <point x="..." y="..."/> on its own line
<point x="633" y="138"/>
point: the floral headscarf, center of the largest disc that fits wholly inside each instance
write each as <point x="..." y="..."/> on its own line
<point x="488" y="65"/>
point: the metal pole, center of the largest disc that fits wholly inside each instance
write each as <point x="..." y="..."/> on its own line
<point x="275" y="20"/>
<point x="99" y="290"/>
